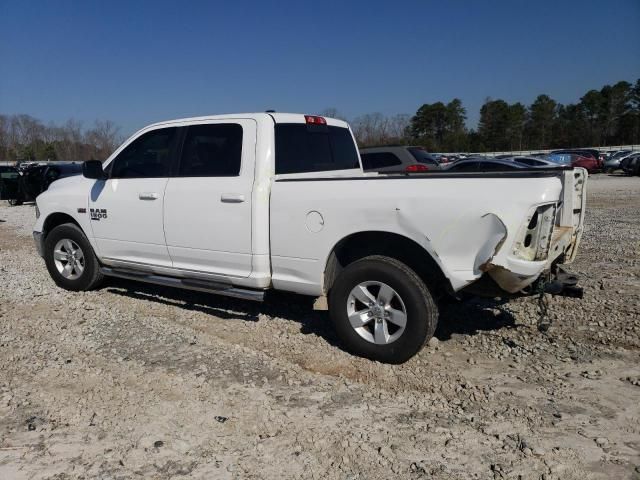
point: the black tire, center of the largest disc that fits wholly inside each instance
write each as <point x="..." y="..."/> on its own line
<point x="421" y="310"/>
<point x="91" y="277"/>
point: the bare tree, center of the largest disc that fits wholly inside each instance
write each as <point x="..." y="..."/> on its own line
<point x="333" y="113"/>
<point x="376" y="129"/>
<point x="102" y="139"/>
<point x="23" y="137"/>
<point x="398" y="125"/>
<point x="69" y="144"/>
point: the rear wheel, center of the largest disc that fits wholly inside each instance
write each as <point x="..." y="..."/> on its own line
<point x="70" y="259"/>
<point x="15" y="202"/>
<point x="382" y="310"/>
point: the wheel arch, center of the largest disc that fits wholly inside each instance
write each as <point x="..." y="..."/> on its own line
<point x="58" y="218"/>
<point x="394" y="245"/>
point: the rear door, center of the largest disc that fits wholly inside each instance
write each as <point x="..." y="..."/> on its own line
<point x="126" y="210"/>
<point x="207" y="214"/>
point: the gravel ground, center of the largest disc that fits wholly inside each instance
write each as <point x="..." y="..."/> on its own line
<point x="137" y="381"/>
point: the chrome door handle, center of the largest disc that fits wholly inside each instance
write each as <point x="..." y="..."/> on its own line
<point x="148" y="196"/>
<point x="232" y="198"/>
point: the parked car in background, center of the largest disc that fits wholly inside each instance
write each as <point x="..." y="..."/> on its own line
<point x="635" y="170"/>
<point x="574" y="159"/>
<point x="482" y="164"/>
<point x="631" y="164"/>
<point x="25" y="182"/>
<point x="9" y="180"/>
<point x="397" y="158"/>
<point x="612" y="163"/>
<point x="607" y="155"/>
<point x="590" y="158"/>
<point x="26" y="165"/>
<point x="442" y="158"/>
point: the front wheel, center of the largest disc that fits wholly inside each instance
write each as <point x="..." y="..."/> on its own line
<point x="70" y="259"/>
<point x="382" y="310"/>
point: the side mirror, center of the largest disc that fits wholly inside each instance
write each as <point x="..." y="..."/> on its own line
<point x="93" y="169"/>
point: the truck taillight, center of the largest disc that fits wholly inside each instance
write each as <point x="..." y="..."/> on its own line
<point x="315" y="120"/>
<point x="416" y="168"/>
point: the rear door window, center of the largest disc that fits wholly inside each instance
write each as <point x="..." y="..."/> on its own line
<point x="304" y="148"/>
<point x="377" y="160"/>
<point x="212" y="150"/>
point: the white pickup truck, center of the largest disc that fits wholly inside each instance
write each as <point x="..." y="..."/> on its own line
<point x="240" y="204"/>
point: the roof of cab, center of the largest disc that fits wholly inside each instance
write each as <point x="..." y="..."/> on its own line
<point x="277" y="117"/>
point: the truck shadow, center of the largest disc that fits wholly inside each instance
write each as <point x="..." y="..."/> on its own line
<point x="472" y="316"/>
<point x="464" y="318"/>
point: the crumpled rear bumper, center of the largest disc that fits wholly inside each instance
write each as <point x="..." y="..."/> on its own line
<point x="548" y="239"/>
<point x="519" y="274"/>
<point x="557" y="281"/>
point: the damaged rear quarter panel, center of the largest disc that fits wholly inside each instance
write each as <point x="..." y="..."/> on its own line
<point x="462" y="222"/>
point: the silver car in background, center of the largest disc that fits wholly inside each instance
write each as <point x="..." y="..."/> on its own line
<point x="612" y="163"/>
<point x="398" y="159"/>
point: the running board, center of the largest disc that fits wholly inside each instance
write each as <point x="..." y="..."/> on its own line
<point x="186" y="283"/>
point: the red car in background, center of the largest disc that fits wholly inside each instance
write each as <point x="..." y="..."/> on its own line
<point x="589" y="159"/>
<point x="573" y="159"/>
<point x="591" y="164"/>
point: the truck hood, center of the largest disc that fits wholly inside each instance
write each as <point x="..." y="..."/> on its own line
<point x="75" y="187"/>
<point x="69" y="182"/>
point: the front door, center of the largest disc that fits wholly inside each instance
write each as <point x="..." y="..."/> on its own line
<point x="127" y="209"/>
<point x="207" y="206"/>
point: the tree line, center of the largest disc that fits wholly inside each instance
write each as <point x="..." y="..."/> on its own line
<point x="25" y="138"/>
<point x="609" y="116"/>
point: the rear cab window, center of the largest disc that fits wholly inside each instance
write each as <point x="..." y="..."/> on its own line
<point x="304" y="148"/>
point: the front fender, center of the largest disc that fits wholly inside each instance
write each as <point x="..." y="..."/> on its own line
<point x="70" y="200"/>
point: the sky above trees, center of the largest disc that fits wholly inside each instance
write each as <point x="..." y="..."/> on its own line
<point x="604" y="117"/>
<point x="140" y="62"/>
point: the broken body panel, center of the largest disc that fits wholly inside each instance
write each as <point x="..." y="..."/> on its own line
<point x="470" y="224"/>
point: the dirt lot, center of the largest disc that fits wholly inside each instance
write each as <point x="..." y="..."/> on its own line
<point x="136" y="381"/>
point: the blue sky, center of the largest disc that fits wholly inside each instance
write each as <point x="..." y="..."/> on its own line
<point x="136" y="62"/>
